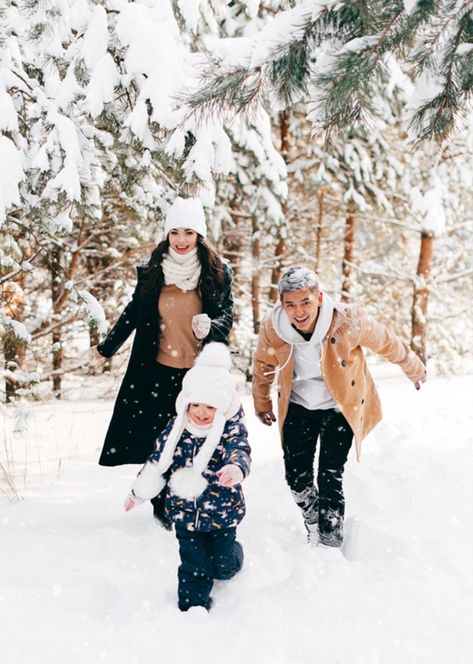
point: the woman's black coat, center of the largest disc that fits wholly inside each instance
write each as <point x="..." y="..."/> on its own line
<point x="128" y="435"/>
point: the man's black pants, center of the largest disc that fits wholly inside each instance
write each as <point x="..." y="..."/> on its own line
<point x="321" y="502"/>
<point x="205" y="556"/>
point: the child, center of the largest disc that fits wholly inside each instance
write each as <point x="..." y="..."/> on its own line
<point x="201" y="458"/>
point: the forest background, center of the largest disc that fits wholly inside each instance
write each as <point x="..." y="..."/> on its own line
<point x="332" y="134"/>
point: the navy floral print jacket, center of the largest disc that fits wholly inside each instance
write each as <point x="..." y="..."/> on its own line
<point x="217" y="507"/>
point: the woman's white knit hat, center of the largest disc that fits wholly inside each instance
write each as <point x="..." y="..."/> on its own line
<point x="209" y="382"/>
<point x="186" y="213"/>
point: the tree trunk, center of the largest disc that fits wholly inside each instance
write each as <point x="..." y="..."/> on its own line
<point x="348" y="255"/>
<point x="284" y="134"/>
<point x="420" y="298"/>
<point x="14" y="350"/>
<point x="12" y="363"/>
<point x="255" y="276"/>
<point x="277" y="269"/>
<point x="280" y="250"/>
<point x="56" y="293"/>
<point x="318" y="230"/>
<point x="232" y="243"/>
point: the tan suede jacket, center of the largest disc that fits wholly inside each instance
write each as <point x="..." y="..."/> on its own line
<point x="343" y="365"/>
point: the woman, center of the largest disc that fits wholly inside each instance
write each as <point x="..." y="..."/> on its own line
<point x="182" y="300"/>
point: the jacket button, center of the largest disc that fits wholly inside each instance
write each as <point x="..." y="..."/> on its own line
<point x="353" y="383"/>
<point x="343" y="363"/>
<point x="332" y="340"/>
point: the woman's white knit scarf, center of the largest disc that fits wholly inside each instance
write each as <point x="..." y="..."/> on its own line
<point x="182" y="270"/>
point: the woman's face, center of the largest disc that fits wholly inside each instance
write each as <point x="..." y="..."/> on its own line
<point x="182" y="240"/>
<point x="201" y="414"/>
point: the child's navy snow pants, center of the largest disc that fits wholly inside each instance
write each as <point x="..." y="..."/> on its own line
<point x="205" y="556"/>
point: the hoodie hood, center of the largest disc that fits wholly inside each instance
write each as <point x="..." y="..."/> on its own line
<point x="285" y="330"/>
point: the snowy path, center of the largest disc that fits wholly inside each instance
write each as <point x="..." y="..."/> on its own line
<point x="83" y="582"/>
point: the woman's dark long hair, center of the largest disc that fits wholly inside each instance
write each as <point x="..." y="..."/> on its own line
<point x="211" y="275"/>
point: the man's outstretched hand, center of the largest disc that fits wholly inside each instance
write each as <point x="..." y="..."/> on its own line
<point x="94" y="355"/>
<point x="418" y="383"/>
<point x="266" y="417"/>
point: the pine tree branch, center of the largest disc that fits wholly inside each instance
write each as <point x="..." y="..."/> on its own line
<point x="438" y="116"/>
<point x="367" y="32"/>
<point x="235" y="92"/>
<point x="12" y="275"/>
<point x="453" y="277"/>
<point x="285" y="69"/>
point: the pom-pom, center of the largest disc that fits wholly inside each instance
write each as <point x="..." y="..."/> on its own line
<point x="149" y="482"/>
<point x="215" y="354"/>
<point x="187" y="483"/>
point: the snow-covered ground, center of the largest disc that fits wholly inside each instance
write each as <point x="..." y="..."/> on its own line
<point x="81" y="581"/>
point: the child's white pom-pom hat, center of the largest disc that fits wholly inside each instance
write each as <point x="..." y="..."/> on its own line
<point x="209" y="381"/>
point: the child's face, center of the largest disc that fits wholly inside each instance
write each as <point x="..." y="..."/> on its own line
<point x="201" y="414"/>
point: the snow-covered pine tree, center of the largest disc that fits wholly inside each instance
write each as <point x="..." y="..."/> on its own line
<point x="87" y="92"/>
<point x="442" y="307"/>
<point x="52" y="163"/>
<point x="104" y="149"/>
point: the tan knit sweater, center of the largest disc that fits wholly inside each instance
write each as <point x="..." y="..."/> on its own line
<point x="178" y="346"/>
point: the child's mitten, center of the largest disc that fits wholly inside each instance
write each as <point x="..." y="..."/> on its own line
<point x="131" y="501"/>
<point x="229" y="475"/>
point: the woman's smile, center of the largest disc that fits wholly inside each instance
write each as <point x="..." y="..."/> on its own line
<point x="182" y="240"/>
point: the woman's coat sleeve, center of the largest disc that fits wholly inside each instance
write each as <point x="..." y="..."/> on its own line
<point x="221" y="324"/>
<point x="123" y="327"/>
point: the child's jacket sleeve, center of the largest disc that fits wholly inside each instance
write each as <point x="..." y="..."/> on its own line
<point x="237" y="448"/>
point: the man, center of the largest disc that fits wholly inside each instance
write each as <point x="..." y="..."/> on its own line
<point x="325" y="391"/>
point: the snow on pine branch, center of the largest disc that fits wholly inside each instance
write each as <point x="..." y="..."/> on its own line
<point x="240" y="70"/>
<point x="430" y="206"/>
<point x="410" y="5"/>
<point x="443" y="62"/>
<point x="95" y="312"/>
<point x="275" y="39"/>
<point x="18" y="329"/>
<point x="350" y="43"/>
<point x="12" y="175"/>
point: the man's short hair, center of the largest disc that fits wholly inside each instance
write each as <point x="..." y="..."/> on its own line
<point x="299" y="278"/>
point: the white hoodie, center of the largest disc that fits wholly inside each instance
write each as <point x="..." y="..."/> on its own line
<point x="308" y="386"/>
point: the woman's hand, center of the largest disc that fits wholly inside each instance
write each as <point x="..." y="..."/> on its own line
<point x="201" y="325"/>
<point x="94" y="355"/>
<point x="229" y="475"/>
<point x="418" y="383"/>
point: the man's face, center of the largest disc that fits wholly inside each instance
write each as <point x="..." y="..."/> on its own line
<point x="302" y="308"/>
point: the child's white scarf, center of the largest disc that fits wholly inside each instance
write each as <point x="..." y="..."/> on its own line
<point x="187" y="482"/>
